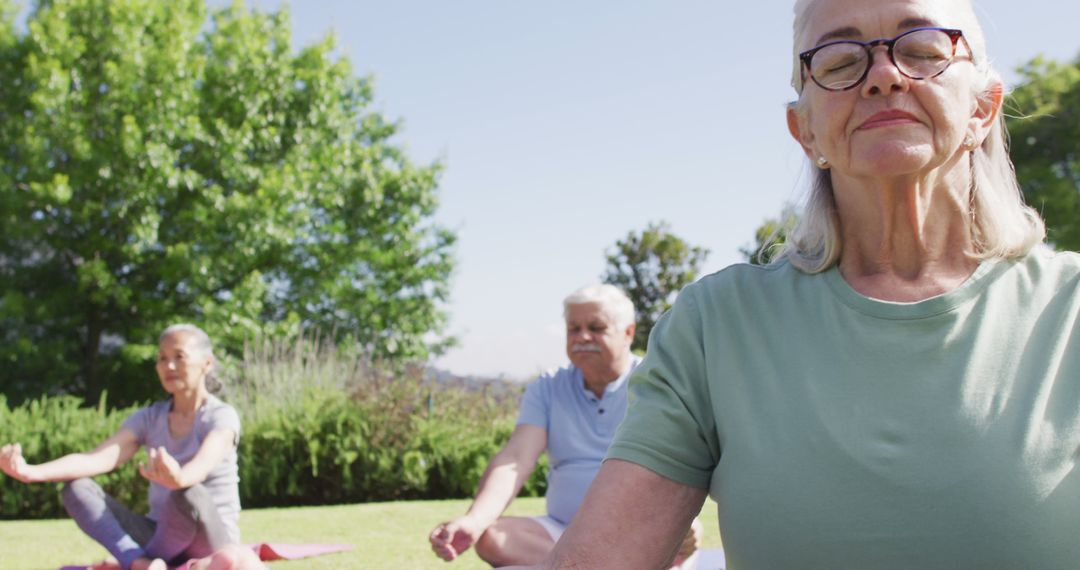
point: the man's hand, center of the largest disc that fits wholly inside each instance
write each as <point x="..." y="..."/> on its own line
<point x="162" y="468"/>
<point x="16" y="467"/>
<point x="452" y="538"/>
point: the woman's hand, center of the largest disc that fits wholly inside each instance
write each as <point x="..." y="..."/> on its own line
<point x="163" y="469"/>
<point x="13" y="463"/>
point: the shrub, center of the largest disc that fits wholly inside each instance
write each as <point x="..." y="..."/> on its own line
<point x="49" y="427"/>
<point x="330" y="426"/>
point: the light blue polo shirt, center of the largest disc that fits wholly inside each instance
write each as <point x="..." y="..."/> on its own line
<point x="579" y="427"/>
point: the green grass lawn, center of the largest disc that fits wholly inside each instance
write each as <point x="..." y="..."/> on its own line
<point x="386" y="535"/>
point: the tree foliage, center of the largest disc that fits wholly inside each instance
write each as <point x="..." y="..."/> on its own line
<point x="652" y="267"/>
<point x="770" y="237"/>
<point x="156" y="168"/>
<point x="1046" y="145"/>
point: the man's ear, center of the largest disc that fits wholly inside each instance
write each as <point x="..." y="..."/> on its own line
<point x="800" y="132"/>
<point x="630" y="330"/>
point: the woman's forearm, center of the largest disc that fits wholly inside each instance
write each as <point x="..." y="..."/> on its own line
<point x="104" y="458"/>
<point x="73" y="466"/>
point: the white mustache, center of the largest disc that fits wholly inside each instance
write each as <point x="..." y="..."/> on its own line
<point x="585" y="347"/>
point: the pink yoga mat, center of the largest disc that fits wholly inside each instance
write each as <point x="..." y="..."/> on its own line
<point x="268" y="552"/>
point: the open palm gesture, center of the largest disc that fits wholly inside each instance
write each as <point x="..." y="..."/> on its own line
<point x="13" y="463"/>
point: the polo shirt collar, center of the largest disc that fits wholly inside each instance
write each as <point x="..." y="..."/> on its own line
<point x="615" y="385"/>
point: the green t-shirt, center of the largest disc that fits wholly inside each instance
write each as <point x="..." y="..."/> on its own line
<point x="839" y="431"/>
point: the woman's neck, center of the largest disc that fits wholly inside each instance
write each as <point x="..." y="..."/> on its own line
<point x="186" y="403"/>
<point x="905" y="239"/>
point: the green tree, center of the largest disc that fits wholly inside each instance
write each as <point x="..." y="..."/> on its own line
<point x="652" y="267"/>
<point x="1045" y="133"/>
<point x="769" y="237"/>
<point x="154" y="168"/>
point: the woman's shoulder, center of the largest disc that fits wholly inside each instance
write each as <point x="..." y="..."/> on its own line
<point x="1066" y="260"/>
<point x="143" y="420"/>
<point x="214" y="402"/>
<point x="746" y="278"/>
<point x="781" y="269"/>
<point x="1046" y="266"/>
<point x="743" y="290"/>
<point x="216" y="410"/>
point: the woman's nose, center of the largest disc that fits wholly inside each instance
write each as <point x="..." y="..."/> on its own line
<point x="883" y="77"/>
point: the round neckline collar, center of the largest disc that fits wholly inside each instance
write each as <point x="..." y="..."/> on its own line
<point x="896" y="310"/>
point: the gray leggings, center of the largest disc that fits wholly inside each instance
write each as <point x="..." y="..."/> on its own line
<point x="188" y="524"/>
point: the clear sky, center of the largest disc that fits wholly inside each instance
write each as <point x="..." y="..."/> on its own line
<point x="564" y="125"/>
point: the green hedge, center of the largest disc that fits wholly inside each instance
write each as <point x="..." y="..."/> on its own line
<point x="49" y="427"/>
<point x="321" y="448"/>
<point x="339" y="451"/>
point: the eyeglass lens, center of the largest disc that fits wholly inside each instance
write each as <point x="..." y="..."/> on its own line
<point x="918" y="55"/>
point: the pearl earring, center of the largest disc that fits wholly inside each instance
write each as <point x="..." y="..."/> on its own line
<point x="822" y="162"/>
<point x="969" y="142"/>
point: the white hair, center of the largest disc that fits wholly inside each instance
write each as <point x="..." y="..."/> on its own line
<point x="1002" y="226"/>
<point x="611" y="299"/>
<point x="200" y="341"/>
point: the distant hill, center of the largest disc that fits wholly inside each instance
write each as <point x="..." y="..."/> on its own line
<point x="496" y="386"/>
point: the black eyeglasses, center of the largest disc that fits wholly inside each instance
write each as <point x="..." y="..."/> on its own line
<point x="921" y="53"/>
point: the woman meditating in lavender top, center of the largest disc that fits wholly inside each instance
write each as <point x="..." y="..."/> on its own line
<point x="191" y="439"/>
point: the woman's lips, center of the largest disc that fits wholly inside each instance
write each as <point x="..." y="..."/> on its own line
<point x="888" y="119"/>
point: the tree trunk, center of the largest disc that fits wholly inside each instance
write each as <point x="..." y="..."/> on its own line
<point x="91" y="364"/>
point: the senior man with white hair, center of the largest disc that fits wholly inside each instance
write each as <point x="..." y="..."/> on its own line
<point x="572" y="413"/>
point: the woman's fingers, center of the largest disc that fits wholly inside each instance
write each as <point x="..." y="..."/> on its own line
<point x="161" y="468"/>
<point x="149" y="468"/>
<point x="10" y="456"/>
<point x="13" y="463"/>
<point x="161" y="459"/>
<point x="11" y="450"/>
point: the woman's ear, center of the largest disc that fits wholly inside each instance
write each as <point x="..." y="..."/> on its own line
<point x="800" y="131"/>
<point x="986" y="110"/>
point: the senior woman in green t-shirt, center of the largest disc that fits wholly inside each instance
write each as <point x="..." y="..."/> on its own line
<point x="902" y="388"/>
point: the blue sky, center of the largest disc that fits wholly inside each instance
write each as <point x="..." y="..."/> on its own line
<point x="564" y="125"/>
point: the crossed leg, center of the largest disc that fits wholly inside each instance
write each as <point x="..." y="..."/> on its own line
<point x="108" y="522"/>
<point x="188" y="525"/>
<point x="514" y="541"/>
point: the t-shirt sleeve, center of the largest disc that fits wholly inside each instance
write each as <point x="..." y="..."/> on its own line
<point x="536" y="403"/>
<point x="224" y="417"/>
<point x="669" y="426"/>
<point x="139" y="424"/>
